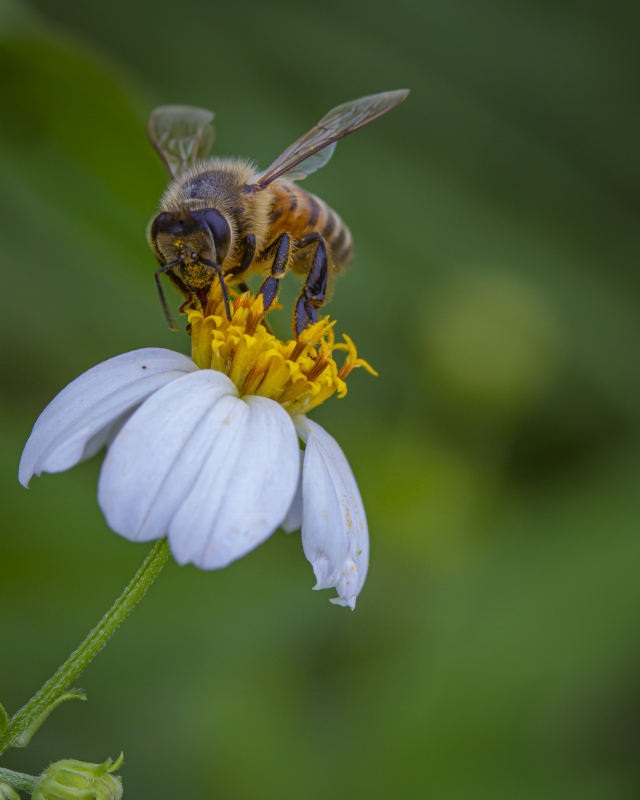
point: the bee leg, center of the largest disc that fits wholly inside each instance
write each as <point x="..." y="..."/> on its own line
<point x="247" y="257"/>
<point x="244" y="287"/>
<point x="314" y="290"/>
<point x="223" y="285"/>
<point x="282" y="249"/>
<point x="187" y="292"/>
<point x="186" y="306"/>
<point x="165" y="307"/>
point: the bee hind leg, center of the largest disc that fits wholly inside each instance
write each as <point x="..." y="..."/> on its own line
<point x="314" y="290"/>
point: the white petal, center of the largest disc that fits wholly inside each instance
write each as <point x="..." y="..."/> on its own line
<point x="88" y="412"/>
<point x="157" y="456"/>
<point x="335" y="536"/>
<point x="213" y="472"/>
<point x="243" y="493"/>
<point x="293" y="521"/>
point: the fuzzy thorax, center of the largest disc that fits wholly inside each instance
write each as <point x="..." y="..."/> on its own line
<point x="297" y="374"/>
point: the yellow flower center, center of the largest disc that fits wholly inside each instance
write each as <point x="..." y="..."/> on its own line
<point x="297" y="374"/>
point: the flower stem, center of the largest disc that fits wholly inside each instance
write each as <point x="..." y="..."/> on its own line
<point x="19" y="780"/>
<point x="41" y="703"/>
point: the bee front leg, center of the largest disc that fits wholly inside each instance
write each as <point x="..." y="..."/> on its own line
<point x="281" y="248"/>
<point x="187" y="292"/>
<point x="203" y="294"/>
<point x="247" y="258"/>
<point x="188" y="305"/>
<point x="314" y="290"/>
<point x="165" y="269"/>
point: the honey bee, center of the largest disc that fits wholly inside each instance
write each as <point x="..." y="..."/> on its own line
<point x="221" y="218"/>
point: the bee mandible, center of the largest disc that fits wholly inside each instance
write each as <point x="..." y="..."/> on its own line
<point x="221" y="219"/>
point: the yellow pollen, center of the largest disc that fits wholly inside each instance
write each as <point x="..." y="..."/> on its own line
<point x="297" y="374"/>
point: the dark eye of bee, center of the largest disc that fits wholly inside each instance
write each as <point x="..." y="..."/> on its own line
<point x="159" y="224"/>
<point x="167" y="223"/>
<point x="220" y="230"/>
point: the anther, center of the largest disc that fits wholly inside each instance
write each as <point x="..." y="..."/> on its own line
<point x="317" y="369"/>
<point x="297" y="374"/>
<point x="298" y="349"/>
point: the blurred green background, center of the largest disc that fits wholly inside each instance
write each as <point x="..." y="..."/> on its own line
<point x="495" y="649"/>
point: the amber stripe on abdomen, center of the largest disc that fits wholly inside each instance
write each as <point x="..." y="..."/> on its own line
<point x="299" y="212"/>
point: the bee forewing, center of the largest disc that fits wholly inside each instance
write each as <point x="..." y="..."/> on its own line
<point x="339" y="122"/>
<point x="181" y="135"/>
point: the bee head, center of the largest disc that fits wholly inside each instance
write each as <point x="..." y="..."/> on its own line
<point x="190" y="235"/>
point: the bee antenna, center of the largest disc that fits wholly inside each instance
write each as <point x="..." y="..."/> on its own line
<point x="223" y="285"/>
<point x="165" y="307"/>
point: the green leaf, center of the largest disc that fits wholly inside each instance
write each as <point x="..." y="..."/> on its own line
<point x="4" y="719"/>
<point x="24" y="739"/>
<point x="112" y="767"/>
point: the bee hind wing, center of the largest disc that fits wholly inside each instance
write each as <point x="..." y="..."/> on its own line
<point x="315" y="148"/>
<point x="181" y="135"/>
<point x="310" y="164"/>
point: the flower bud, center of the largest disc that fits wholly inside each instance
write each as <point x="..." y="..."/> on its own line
<point x="8" y="792"/>
<point x="77" y="780"/>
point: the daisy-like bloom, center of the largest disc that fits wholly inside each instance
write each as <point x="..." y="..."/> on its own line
<point x="206" y="451"/>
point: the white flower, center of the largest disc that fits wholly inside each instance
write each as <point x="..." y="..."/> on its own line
<point x="217" y="473"/>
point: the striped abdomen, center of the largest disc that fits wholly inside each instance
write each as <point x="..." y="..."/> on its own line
<point x="299" y="212"/>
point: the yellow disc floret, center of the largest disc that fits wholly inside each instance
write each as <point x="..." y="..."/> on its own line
<point x="297" y="374"/>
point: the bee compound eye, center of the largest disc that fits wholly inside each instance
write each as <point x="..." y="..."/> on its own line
<point x="166" y="223"/>
<point x="220" y="230"/>
<point x="158" y="223"/>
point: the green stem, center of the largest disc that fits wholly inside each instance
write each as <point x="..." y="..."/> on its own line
<point x="41" y="702"/>
<point x="19" y="780"/>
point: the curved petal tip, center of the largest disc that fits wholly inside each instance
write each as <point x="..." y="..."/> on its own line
<point x="335" y="536"/>
<point x="88" y="412"/>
